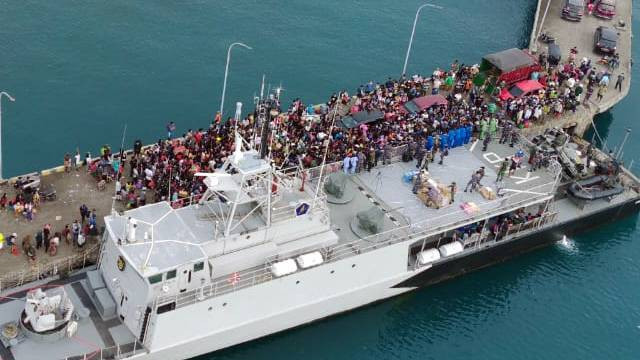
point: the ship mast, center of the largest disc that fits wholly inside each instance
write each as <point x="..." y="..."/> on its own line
<point x="115" y="194"/>
<point x="324" y="156"/>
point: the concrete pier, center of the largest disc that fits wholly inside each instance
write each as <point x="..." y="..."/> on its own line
<point x="73" y="189"/>
<point x="581" y="34"/>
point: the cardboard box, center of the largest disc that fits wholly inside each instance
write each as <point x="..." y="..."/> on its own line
<point x="487" y="193"/>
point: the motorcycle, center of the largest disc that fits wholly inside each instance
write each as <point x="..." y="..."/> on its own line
<point x="547" y="38"/>
<point x="48" y="193"/>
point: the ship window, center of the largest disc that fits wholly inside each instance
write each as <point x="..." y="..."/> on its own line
<point x="198" y="266"/>
<point x="154" y="279"/>
<point x="166" y="307"/>
<point x="171" y="274"/>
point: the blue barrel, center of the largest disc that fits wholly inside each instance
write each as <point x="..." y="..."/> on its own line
<point x="459" y="137"/>
<point x="444" y="141"/>
<point x="452" y="139"/>
<point x="429" y="143"/>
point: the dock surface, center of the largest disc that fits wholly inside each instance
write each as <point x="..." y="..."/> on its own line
<point x="581" y="34"/>
<point x="73" y="189"/>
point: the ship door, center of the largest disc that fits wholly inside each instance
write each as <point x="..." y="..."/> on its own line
<point x="123" y="304"/>
<point x="184" y="279"/>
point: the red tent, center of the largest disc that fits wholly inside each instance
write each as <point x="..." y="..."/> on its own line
<point x="425" y="102"/>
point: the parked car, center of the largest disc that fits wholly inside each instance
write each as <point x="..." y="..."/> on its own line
<point x="605" y="9"/>
<point x="573" y="10"/>
<point x="520" y="89"/>
<point x="605" y="40"/>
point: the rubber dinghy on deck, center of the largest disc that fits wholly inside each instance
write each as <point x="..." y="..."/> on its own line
<point x="595" y="187"/>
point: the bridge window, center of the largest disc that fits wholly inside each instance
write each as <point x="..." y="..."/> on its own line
<point x="166" y="307"/>
<point x="154" y="279"/>
<point x="198" y="266"/>
<point x="171" y="274"/>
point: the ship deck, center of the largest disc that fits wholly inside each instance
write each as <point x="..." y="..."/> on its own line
<point x="383" y="187"/>
<point x="95" y="336"/>
<point x="405" y="217"/>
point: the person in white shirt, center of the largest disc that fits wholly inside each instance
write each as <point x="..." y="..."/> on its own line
<point x="537" y="113"/>
<point x="571" y="82"/>
<point x="346" y="163"/>
<point x="118" y="190"/>
<point x="148" y="174"/>
<point x="78" y="162"/>
<point x="353" y="164"/>
<point x="436" y="86"/>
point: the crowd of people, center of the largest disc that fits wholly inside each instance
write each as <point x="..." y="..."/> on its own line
<point x="566" y="87"/>
<point x="49" y="240"/>
<point x="21" y="205"/>
<point x="307" y="135"/>
<point x="301" y="134"/>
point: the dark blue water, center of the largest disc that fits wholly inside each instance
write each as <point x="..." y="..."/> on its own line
<point x="80" y="71"/>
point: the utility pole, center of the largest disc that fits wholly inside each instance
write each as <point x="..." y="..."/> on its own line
<point x="226" y="73"/>
<point x="10" y="99"/>
<point x="413" y="31"/>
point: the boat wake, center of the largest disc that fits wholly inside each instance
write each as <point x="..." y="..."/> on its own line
<point x="567" y="244"/>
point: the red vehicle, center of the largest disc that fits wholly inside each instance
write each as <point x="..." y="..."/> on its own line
<point x="605" y="9"/>
<point x="510" y="66"/>
<point x="520" y="89"/>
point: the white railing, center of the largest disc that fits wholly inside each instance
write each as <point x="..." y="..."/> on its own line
<point x="424" y="228"/>
<point x="185" y="201"/>
<point x="67" y="264"/>
<point x="533" y="224"/>
<point x="118" y="351"/>
<point x="485" y="240"/>
<point x="428" y="227"/>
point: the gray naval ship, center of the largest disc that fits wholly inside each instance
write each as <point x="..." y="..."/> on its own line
<point x="266" y="249"/>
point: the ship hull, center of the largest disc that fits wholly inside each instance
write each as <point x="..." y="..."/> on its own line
<point x="256" y="326"/>
<point x="519" y="245"/>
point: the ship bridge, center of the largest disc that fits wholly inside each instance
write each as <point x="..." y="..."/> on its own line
<point x="249" y="212"/>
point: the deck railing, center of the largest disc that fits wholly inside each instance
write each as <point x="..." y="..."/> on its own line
<point x="533" y="224"/>
<point x="118" y="351"/>
<point x="485" y="240"/>
<point x="86" y="257"/>
<point x="424" y="228"/>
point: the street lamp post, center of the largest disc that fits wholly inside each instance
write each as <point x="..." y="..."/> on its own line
<point x="226" y="72"/>
<point x="413" y="31"/>
<point x="11" y="99"/>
